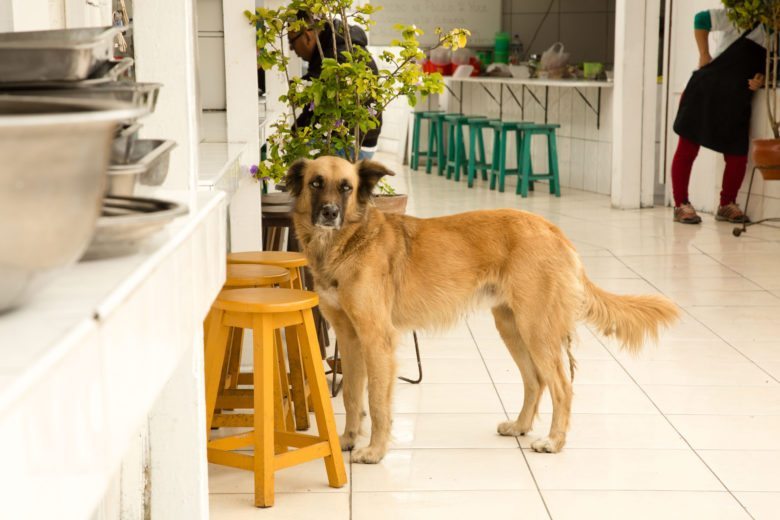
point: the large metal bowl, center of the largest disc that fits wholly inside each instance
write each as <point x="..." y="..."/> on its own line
<point x="53" y="159"/>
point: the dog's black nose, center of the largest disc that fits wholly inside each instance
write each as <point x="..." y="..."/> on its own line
<point x="330" y="211"/>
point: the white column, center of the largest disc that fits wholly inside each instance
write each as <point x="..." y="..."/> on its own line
<point x="634" y="102"/>
<point x="164" y="36"/>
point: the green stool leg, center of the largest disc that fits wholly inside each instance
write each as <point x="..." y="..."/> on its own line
<point x="432" y="131"/>
<point x="472" y="156"/>
<point x="460" y="152"/>
<point x="552" y="154"/>
<point x="482" y="160"/>
<point x="440" y="147"/>
<point x="521" y="135"/>
<point x="502" y="160"/>
<point x="496" y="152"/>
<point x="415" y="162"/>
<point x="450" y="149"/>
<point x="525" y="167"/>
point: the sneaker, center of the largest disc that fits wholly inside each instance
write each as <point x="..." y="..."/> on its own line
<point x="685" y="214"/>
<point x="731" y="213"/>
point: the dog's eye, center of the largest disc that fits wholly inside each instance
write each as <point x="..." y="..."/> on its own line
<point x="316" y="184"/>
<point x="346" y="188"/>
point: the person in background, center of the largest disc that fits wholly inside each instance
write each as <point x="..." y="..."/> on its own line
<point x="715" y="111"/>
<point x="304" y="44"/>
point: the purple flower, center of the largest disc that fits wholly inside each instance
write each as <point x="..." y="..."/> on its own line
<point x="372" y="111"/>
<point x="253" y="169"/>
<point x="338" y="123"/>
<point x="311" y="106"/>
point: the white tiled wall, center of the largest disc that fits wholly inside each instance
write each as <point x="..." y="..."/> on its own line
<point x="586" y="27"/>
<point x="584" y="151"/>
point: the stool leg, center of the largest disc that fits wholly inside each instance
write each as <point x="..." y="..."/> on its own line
<point x="525" y="168"/>
<point x="432" y="136"/>
<point x="279" y="419"/>
<point x="483" y="158"/>
<point x="415" y="162"/>
<point x="234" y="360"/>
<point x="213" y="359"/>
<point x="297" y="379"/>
<point x="441" y="160"/>
<point x="552" y="152"/>
<point x="472" y="169"/>
<point x="289" y="420"/>
<point x="263" y="339"/>
<point x="451" y="149"/>
<point x="459" y="151"/>
<point x="323" y="410"/>
<point x="502" y="161"/>
<point x="496" y="153"/>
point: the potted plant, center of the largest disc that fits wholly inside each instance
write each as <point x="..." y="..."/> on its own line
<point x="746" y="14"/>
<point x="347" y="96"/>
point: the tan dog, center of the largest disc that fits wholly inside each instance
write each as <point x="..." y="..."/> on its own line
<point x="379" y="274"/>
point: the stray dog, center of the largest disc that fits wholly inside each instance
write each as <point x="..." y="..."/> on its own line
<point x="378" y="274"/>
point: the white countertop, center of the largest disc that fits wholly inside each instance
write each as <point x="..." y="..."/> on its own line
<point x="83" y="361"/>
<point x="578" y="83"/>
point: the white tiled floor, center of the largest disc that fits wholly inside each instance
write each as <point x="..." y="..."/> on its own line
<point x="688" y="429"/>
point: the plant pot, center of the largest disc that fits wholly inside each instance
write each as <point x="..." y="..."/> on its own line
<point x="766" y="157"/>
<point x="391" y="203"/>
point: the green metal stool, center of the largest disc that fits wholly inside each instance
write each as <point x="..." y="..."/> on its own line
<point x="527" y="176"/>
<point x="456" y="145"/>
<point x="476" y="126"/>
<point x="416" y="130"/>
<point x="501" y="135"/>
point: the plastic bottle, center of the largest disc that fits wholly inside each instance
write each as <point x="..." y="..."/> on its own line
<point x="516" y="50"/>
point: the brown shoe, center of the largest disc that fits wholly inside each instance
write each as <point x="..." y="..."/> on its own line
<point x="685" y="214"/>
<point x="731" y="213"/>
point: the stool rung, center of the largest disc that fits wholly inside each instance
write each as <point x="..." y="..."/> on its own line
<point x="233" y="442"/>
<point x="228" y="458"/>
<point x="299" y="456"/>
<point x="233" y="420"/>
<point x="296" y="440"/>
<point x="246" y="378"/>
<point x="233" y="399"/>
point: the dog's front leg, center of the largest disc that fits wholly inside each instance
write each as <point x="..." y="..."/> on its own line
<point x="377" y="341"/>
<point x="354" y="370"/>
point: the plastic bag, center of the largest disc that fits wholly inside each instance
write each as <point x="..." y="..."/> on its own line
<point x="554" y="60"/>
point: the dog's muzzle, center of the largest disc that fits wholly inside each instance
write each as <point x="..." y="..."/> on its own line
<point x="329" y="216"/>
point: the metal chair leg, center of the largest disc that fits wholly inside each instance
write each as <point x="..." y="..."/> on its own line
<point x="419" y="363"/>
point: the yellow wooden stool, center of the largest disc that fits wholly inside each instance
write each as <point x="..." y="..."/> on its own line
<point x="242" y="276"/>
<point x="293" y="262"/>
<point x="265" y="311"/>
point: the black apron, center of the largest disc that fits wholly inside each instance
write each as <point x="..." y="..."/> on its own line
<point x="716" y="103"/>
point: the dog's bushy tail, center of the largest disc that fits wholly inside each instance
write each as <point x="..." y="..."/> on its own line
<point x="631" y="319"/>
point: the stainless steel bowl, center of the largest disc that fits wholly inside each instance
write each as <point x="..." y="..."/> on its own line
<point x="54" y="155"/>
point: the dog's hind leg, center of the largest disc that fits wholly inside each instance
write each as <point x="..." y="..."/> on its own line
<point x="548" y="359"/>
<point x="532" y="383"/>
<point x="354" y="370"/>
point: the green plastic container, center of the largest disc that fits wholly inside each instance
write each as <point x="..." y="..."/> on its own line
<point x="502" y="42"/>
<point x="501" y="57"/>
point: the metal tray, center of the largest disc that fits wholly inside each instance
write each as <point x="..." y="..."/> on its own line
<point x="141" y="95"/>
<point x="124" y="141"/>
<point x="148" y="165"/>
<point x="58" y="55"/>
<point x="126" y="222"/>
<point x="107" y="72"/>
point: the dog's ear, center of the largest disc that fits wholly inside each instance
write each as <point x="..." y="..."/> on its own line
<point x="369" y="173"/>
<point x="294" y="179"/>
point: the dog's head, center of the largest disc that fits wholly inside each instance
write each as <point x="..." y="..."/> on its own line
<point x="333" y="189"/>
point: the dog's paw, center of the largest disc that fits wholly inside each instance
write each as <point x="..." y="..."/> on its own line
<point x="511" y="429"/>
<point x="367" y="455"/>
<point x="545" y="445"/>
<point x="347" y="441"/>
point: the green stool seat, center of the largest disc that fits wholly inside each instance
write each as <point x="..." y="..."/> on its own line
<point x="501" y="136"/>
<point x="456" y="145"/>
<point x="419" y="117"/>
<point x="477" y="146"/>
<point x="527" y="176"/>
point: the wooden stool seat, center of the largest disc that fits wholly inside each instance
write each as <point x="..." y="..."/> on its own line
<point x="281" y="198"/>
<point x="286" y="259"/>
<point x="255" y="275"/>
<point x="266" y="312"/>
<point x="263" y="300"/>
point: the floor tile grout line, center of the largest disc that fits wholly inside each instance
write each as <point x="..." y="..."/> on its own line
<point x="685" y="440"/>
<point x="506" y="414"/>
<point x="697" y="320"/>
